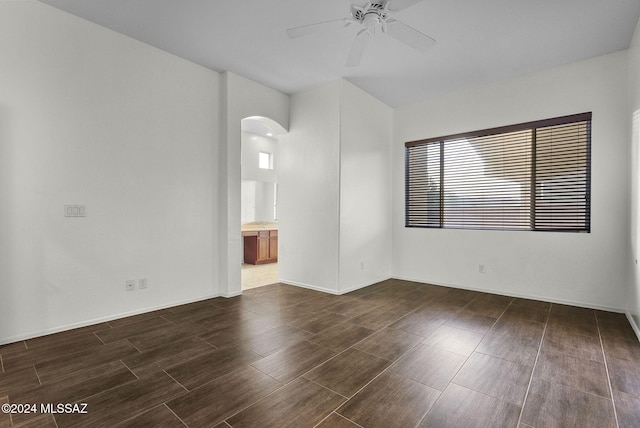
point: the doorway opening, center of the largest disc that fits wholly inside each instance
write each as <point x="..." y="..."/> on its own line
<point x="259" y="201"/>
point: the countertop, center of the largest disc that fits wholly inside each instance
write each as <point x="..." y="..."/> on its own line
<point x="259" y="225"/>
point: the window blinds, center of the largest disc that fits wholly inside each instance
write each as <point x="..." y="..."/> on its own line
<point x="532" y="176"/>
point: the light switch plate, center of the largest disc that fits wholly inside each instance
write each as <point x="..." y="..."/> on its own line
<point x="75" y="210"/>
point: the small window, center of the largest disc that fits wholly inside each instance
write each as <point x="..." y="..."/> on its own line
<point x="531" y="176"/>
<point x="265" y="160"/>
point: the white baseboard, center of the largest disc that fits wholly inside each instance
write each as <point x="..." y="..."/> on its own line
<point x="309" y="286"/>
<point x="229" y="295"/>
<point x="44" y="332"/>
<point x="329" y="291"/>
<point x="363" y="285"/>
<point x="521" y="296"/>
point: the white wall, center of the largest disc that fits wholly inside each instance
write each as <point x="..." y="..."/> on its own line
<point x="248" y="191"/>
<point x="88" y="116"/>
<point x="365" y="189"/>
<point x="257" y="185"/>
<point x="334" y="190"/>
<point x="309" y="194"/>
<point x="633" y="298"/>
<point x="258" y="200"/>
<point x="252" y="145"/>
<point x="241" y="98"/>
<point x="585" y="269"/>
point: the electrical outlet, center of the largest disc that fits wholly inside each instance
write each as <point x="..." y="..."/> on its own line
<point x="130" y="285"/>
<point x="142" y="283"/>
<point x="482" y="269"/>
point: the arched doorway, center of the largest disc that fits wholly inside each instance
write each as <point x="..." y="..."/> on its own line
<point x="259" y="201"/>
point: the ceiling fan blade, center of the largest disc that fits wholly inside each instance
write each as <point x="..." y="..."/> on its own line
<point x="409" y="35"/>
<point x="357" y="49"/>
<point x="319" y="27"/>
<point x="398" y="5"/>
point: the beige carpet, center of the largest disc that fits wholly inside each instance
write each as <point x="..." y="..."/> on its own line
<point x="259" y="275"/>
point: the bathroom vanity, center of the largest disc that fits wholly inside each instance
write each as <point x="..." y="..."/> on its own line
<point x="260" y="243"/>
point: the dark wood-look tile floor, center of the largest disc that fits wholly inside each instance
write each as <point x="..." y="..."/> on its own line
<point x="395" y="354"/>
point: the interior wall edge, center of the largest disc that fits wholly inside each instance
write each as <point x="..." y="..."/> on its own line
<point x="634" y="324"/>
<point x="86" y="323"/>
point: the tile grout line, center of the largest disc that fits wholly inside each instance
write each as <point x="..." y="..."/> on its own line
<point x="55" y="421"/>
<point x="136" y="415"/>
<point x="37" y="375"/>
<point x="215" y="347"/>
<point x="129" y="342"/>
<point x="176" y="381"/>
<point x="169" y="321"/>
<point x="327" y="388"/>
<point x="352" y="345"/>
<point x="101" y="341"/>
<point x="338" y="415"/>
<point x="323" y="363"/>
<point x="129" y="368"/>
<point x="535" y="363"/>
<point x="606" y="368"/>
<point x="369" y="353"/>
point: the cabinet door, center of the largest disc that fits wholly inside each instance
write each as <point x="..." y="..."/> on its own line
<point x="273" y="248"/>
<point x="251" y="249"/>
<point x="263" y="249"/>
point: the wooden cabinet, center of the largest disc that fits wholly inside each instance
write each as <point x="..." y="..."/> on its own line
<point x="260" y="246"/>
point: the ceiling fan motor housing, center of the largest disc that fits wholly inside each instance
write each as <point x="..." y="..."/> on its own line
<point x="371" y="15"/>
<point x="370" y="12"/>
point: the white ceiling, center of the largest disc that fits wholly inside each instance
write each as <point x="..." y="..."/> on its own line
<point x="478" y="41"/>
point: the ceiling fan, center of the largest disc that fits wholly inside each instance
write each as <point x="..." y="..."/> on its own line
<point x="373" y="16"/>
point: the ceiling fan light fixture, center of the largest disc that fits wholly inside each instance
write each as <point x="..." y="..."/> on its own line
<point x="371" y="21"/>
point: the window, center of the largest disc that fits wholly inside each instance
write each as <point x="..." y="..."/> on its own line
<point x="265" y="160"/>
<point x="531" y="176"/>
